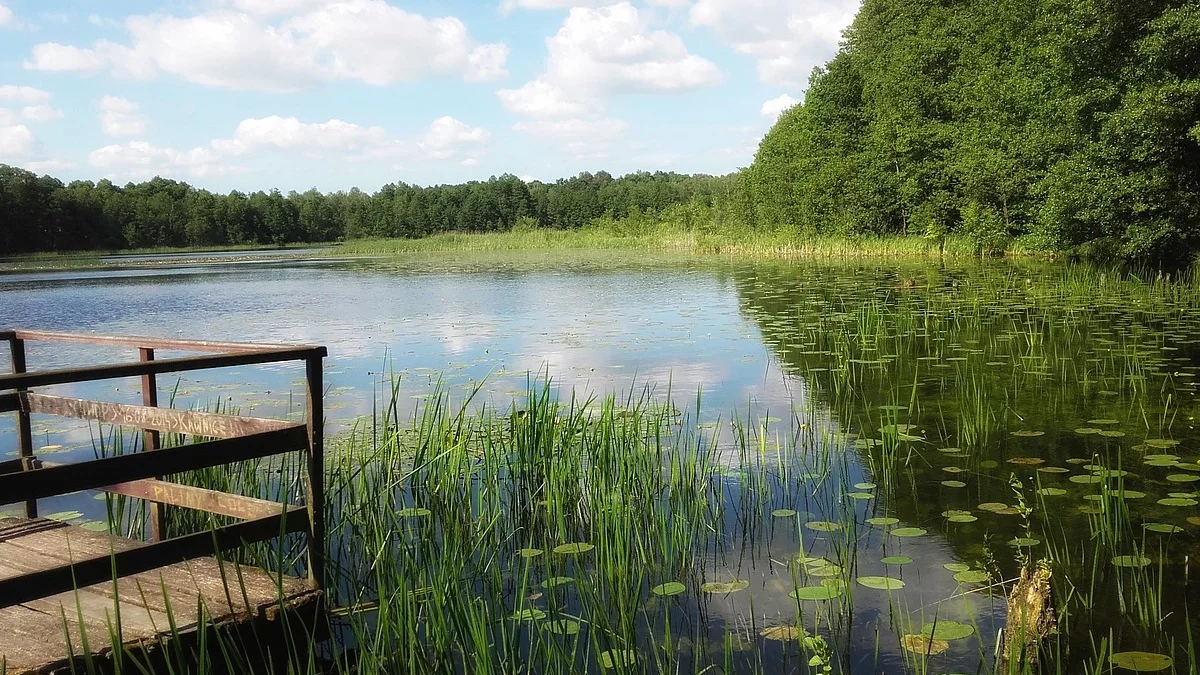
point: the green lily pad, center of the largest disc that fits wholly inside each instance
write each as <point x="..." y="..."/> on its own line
<point x="947" y="630"/>
<point x="783" y="513"/>
<point x="530" y="552"/>
<point x="1183" y="478"/>
<point x="864" y="486"/>
<point x="414" y="512"/>
<point x="861" y="496"/>
<point x="555" y="582"/>
<point x="1130" y="561"/>
<point x="530" y="614"/>
<point x="881" y="583"/>
<point x="725" y="586"/>
<point x="1162" y="528"/>
<point x="908" y="532"/>
<point x="896" y="560"/>
<point x="883" y="521"/>
<point x="962" y="518"/>
<point x="954" y="484"/>
<point x="1052" y="492"/>
<point x="1177" y="501"/>
<point x="1141" y="662"/>
<point x="957" y="567"/>
<point x="822" y="526"/>
<point x="669" y="588"/>
<point x="562" y="626"/>
<point x="919" y="644"/>
<point x="1024" y="542"/>
<point x="972" y="577"/>
<point x="817" y="593"/>
<point x="1026" y="433"/>
<point x="614" y="658"/>
<point x="63" y="516"/>
<point x="573" y="549"/>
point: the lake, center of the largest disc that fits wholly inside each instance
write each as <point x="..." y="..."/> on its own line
<point x="879" y="449"/>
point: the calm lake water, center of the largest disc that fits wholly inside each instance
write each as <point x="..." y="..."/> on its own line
<point x="981" y="414"/>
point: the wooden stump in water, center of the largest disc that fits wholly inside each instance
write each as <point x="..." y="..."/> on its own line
<point x="1030" y="620"/>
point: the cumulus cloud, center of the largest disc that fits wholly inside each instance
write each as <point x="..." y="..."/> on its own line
<point x="41" y="113"/>
<point x="786" y="38"/>
<point x="7" y="20"/>
<point x="121" y="117"/>
<point x="48" y="165"/>
<point x="446" y="138"/>
<point x="595" y="55"/>
<point x="509" y="5"/>
<point x="774" y="108"/>
<point x="16" y="140"/>
<point x="286" y="45"/>
<point x="30" y="95"/>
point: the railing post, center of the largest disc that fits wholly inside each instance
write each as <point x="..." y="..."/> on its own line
<point x="24" y="429"/>
<point x="315" y="497"/>
<point x="151" y="440"/>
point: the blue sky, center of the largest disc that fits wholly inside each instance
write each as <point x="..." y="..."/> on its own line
<point x="257" y="94"/>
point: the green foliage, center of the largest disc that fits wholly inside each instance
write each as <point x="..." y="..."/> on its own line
<point x="42" y="214"/>
<point x="1066" y="125"/>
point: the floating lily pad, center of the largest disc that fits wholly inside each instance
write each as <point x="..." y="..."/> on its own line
<point x="414" y="512"/>
<point x="614" y="658"/>
<point x="954" y="484"/>
<point x="1141" y="662"/>
<point x="1130" y="561"/>
<point x="1026" y="461"/>
<point x="881" y="583"/>
<point x="1024" y="542"/>
<point x="989" y="464"/>
<point x="962" y="518"/>
<point x="782" y="633"/>
<point x="1104" y="422"/>
<point x="1160" y="443"/>
<point x="947" y="630"/>
<point x="882" y="521"/>
<point x="861" y="496"/>
<point x="993" y="506"/>
<point x="530" y="552"/>
<point x="919" y="644"/>
<point x="972" y="577"/>
<point x="1177" y="501"/>
<point x="725" y="586"/>
<point x="1087" y="430"/>
<point x="817" y="593"/>
<point x="957" y="567"/>
<point x="1112" y="433"/>
<point x="1086" y="480"/>
<point x="63" y="516"/>
<point x="1162" y="528"/>
<point x="864" y="486"/>
<point x="1052" y="492"/>
<point x="95" y="525"/>
<point x="1026" y="433"/>
<point x="669" y="588"/>
<point x="908" y="532"/>
<point x="1183" y="478"/>
<point x="555" y="582"/>
<point x="824" y="569"/>
<point x="562" y="626"/>
<point x="783" y="513"/>
<point x="896" y="560"/>
<point x="1053" y="469"/>
<point x="573" y="549"/>
<point x="822" y="526"/>
<point x="530" y="614"/>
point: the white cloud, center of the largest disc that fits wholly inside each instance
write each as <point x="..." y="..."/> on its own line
<point x="509" y="5"/>
<point x="10" y="92"/>
<point x="287" y="45"/>
<point x="774" y="108"/>
<point x="6" y="18"/>
<point x="16" y="140"/>
<point x="595" y="55"/>
<point x="121" y="117"/>
<point x="787" y="38"/>
<point x="41" y="113"/>
<point x="447" y="138"/>
<point x="48" y="165"/>
<point x="9" y="118"/>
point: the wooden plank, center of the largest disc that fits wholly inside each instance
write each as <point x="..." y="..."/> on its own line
<point x="10" y="402"/>
<point x="199" y="499"/>
<point x="136" y="342"/>
<point x="170" y="420"/>
<point x="315" y="483"/>
<point x="23" y="464"/>
<point x="152" y="440"/>
<point x="24" y="433"/>
<point x="61" y="479"/>
<point x="145" y="558"/>
<point x="137" y="368"/>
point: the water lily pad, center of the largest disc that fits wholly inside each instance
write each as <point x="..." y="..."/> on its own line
<point x="881" y="583"/>
<point x="530" y="552"/>
<point x="529" y="614"/>
<point x="1183" y="478"/>
<point x="822" y="526"/>
<point x="1087" y="430"/>
<point x="1086" y="480"/>
<point x="63" y="516"/>
<point x="972" y="577"/>
<point x="864" y="486"/>
<point x="1027" y="433"/>
<point x="954" y="484"/>
<point x="725" y="586"/>
<point x="783" y="513"/>
<point x="1112" y="433"/>
<point x="947" y="630"/>
<point x="1053" y="469"/>
<point x="962" y="518"/>
<point x="614" y="658"/>
<point x="1026" y="461"/>
<point x="414" y="512"/>
<point x="1024" y="542"/>
<point x="1141" y="662"/>
<point x="957" y="567"/>
<point x="882" y="521"/>
<point x="896" y="560"/>
<point x="782" y="633"/>
<point x="555" y="582"/>
<point x="1162" y="528"/>
<point x="1104" y="422"/>
<point x="562" y="626"/>
<point x="861" y="496"/>
<point x="993" y="506"/>
<point x="908" y="532"/>
<point x="824" y="569"/>
<point x="1177" y="501"/>
<point x="95" y="525"/>
<point x="817" y="593"/>
<point x="1052" y="492"/>
<point x="989" y="464"/>
<point x="573" y="549"/>
<point x="669" y="588"/>
<point x="1130" y="561"/>
<point x="1160" y="443"/>
<point x="919" y="644"/>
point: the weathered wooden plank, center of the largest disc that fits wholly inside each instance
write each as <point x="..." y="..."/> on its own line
<point x="315" y="483"/>
<point x="200" y="499"/>
<point x="61" y="479"/>
<point x="24" y="433"/>
<point x="150" y="556"/>
<point x="137" y="368"/>
<point x="208" y="425"/>
<point x="174" y="344"/>
<point x="10" y="402"/>
<point x="152" y="440"/>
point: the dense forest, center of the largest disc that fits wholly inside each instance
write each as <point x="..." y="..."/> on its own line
<point x="43" y="214"/>
<point x="1058" y="125"/>
<point x="1066" y="125"/>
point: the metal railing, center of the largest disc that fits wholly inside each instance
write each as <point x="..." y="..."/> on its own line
<point x="233" y="439"/>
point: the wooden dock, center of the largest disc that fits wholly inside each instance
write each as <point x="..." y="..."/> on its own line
<point x="73" y="600"/>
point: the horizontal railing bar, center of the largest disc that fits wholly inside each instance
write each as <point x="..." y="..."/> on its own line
<point x="10" y="402"/>
<point x="197" y="499"/>
<point x="210" y="425"/>
<point x="148" y="342"/>
<point x="188" y="363"/>
<point x="64" y="578"/>
<point x="66" y="478"/>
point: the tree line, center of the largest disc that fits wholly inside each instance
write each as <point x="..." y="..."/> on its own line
<point x="1062" y="125"/>
<point x="40" y="213"/>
